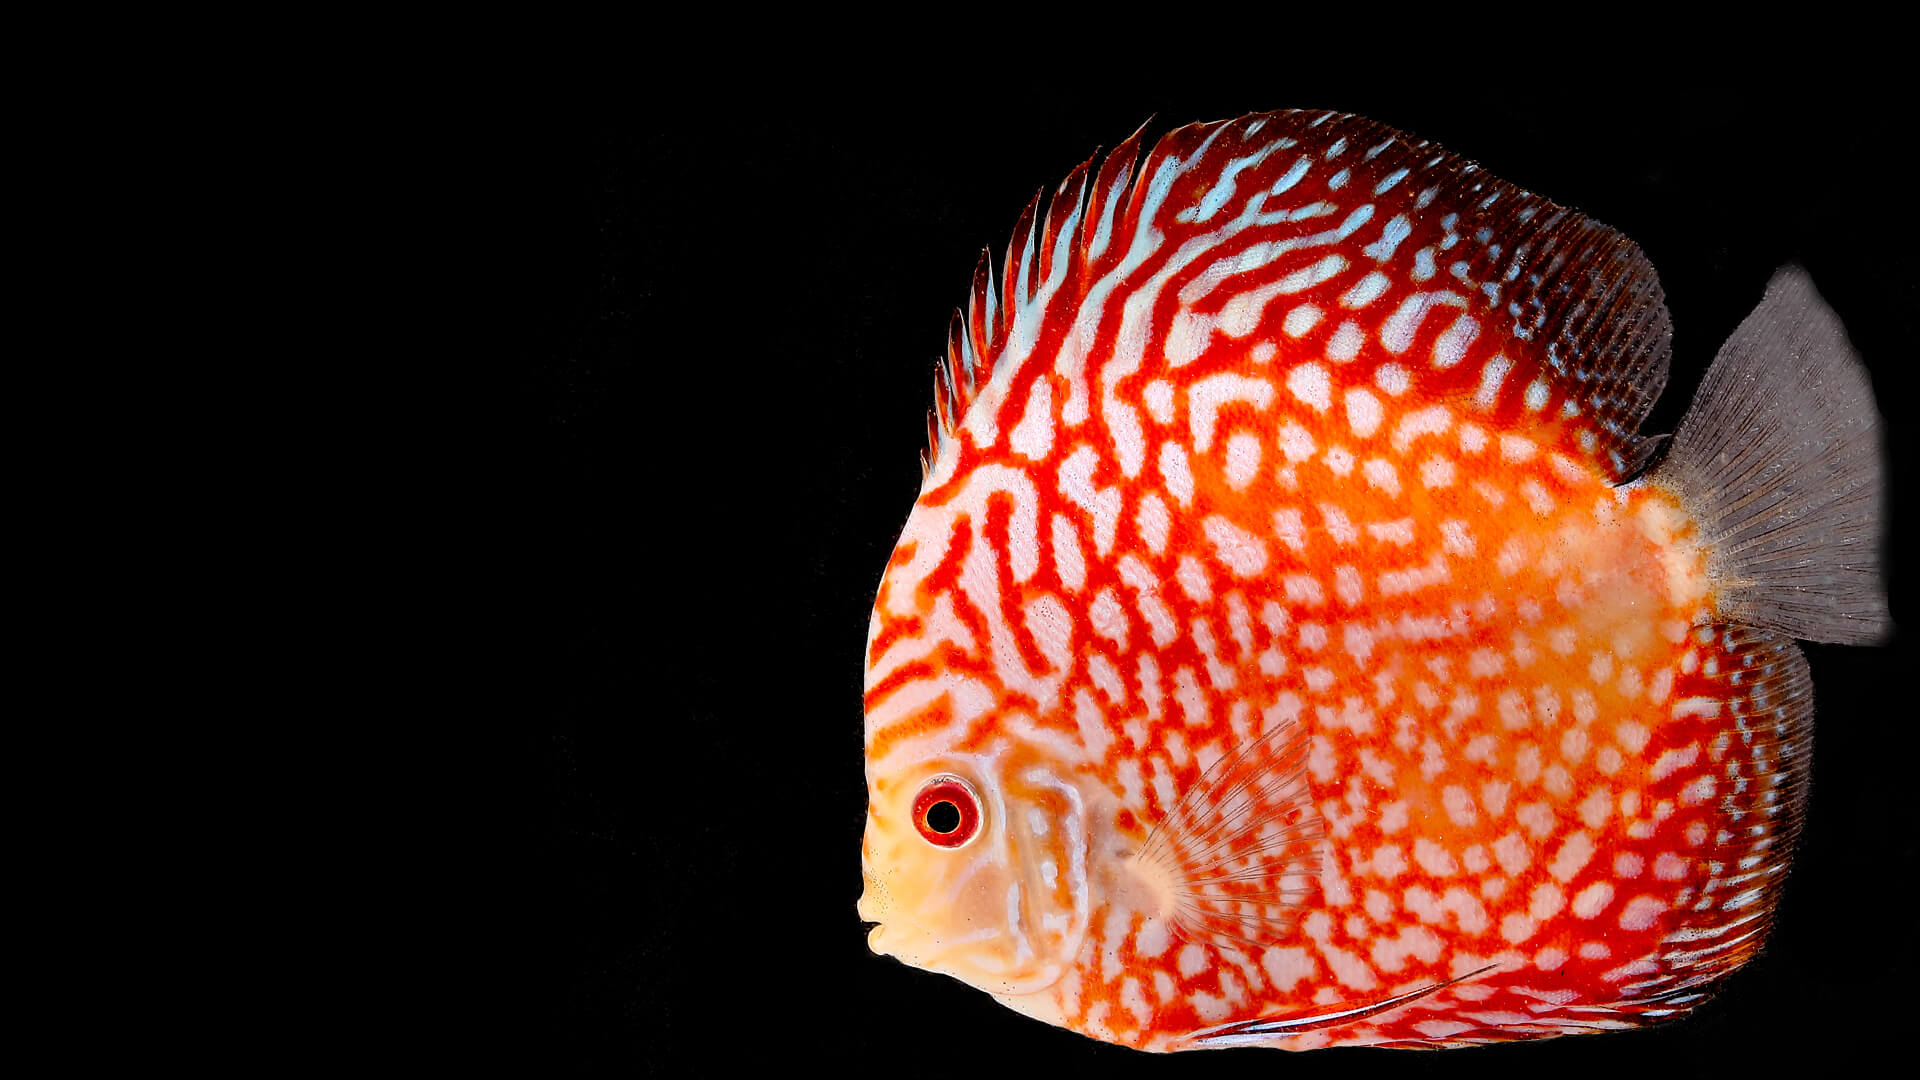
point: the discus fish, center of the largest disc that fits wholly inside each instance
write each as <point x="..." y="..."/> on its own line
<point x="1295" y="643"/>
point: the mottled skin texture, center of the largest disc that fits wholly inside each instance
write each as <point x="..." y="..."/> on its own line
<point x="1198" y="492"/>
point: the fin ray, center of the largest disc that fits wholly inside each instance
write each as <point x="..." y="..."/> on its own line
<point x="1778" y="458"/>
<point x="1242" y="842"/>
<point x="1326" y="1016"/>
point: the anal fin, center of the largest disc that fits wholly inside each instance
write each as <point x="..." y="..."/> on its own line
<point x="1319" y="1019"/>
<point x="1762" y="761"/>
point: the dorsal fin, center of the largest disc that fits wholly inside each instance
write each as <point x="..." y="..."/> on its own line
<point x="1070" y="229"/>
<point x="1589" y="300"/>
<point x="1340" y="239"/>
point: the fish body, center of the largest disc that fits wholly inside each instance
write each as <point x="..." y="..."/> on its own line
<point x="1295" y="643"/>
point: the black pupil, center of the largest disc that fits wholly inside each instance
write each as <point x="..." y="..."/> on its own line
<point x="943" y="817"/>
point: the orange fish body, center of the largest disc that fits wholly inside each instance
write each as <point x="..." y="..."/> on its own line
<point x="1295" y="644"/>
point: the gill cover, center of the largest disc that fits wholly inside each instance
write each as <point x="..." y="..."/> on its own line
<point x="1004" y="910"/>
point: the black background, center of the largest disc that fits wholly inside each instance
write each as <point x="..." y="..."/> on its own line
<point x="735" y="318"/>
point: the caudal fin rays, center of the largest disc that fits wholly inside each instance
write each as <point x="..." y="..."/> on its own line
<point x="1779" y="461"/>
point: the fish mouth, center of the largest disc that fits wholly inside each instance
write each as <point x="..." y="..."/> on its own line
<point x="871" y="907"/>
<point x="876" y="938"/>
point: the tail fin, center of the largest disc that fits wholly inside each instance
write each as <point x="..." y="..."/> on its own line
<point x="1779" y="460"/>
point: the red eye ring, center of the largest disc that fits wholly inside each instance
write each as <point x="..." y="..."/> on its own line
<point x="946" y="812"/>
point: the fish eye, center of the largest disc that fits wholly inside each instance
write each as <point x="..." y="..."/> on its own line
<point x="946" y="812"/>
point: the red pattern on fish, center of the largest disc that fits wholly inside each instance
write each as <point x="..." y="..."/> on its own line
<point x="1287" y="610"/>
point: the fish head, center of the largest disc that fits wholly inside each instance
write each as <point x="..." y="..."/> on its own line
<point x="976" y="866"/>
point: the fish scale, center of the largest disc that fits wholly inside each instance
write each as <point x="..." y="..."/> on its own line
<point x="1285" y="580"/>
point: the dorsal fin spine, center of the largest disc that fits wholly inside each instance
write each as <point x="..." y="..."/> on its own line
<point x="1017" y="269"/>
<point x="959" y="355"/>
<point x="980" y="315"/>
<point x="1063" y="218"/>
<point x="943" y="397"/>
<point x="1115" y="180"/>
